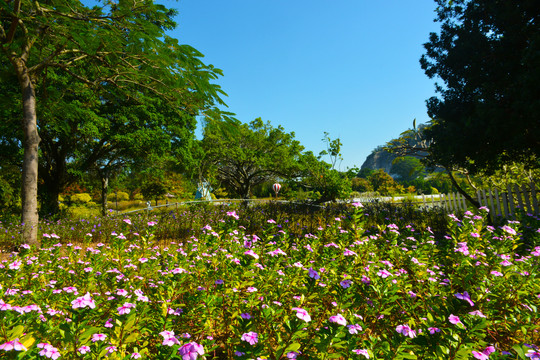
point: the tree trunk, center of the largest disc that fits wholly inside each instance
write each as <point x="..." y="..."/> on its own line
<point x="29" y="187"/>
<point x="104" y="190"/>
<point x="461" y="191"/>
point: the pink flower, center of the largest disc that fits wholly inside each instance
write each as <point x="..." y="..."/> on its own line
<point x="250" y="337"/>
<point x="362" y="352"/>
<point x="348" y="252"/>
<point x="251" y="253"/>
<point x="15" y="265"/>
<point x="477" y="313"/>
<point x="533" y="354"/>
<point x="84" y="349"/>
<point x="127" y="221"/>
<point x="302" y="314"/>
<point x="190" y="351"/>
<point x="13" y="345"/>
<point x="484" y="355"/>
<point x="168" y="338"/>
<point x="152" y="223"/>
<point x="98" y="337"/>
<point x="454" y="319"/>
<point x="384" y="273"/>
<point x="234" y="215"/>
<point x="48" y="351"/>
<point x="135" y="355"/>
<point x="507" y="229"/>
<point x="83" y="301"/>
<point x="354" y="329"/>
<point x="126" y="308"/>
<point x="338" y="319"/>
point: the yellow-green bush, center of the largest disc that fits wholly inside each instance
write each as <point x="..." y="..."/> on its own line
<point x="122" y="196"/>
<point x="138" y="196"/>
<point x="82" y="198"/>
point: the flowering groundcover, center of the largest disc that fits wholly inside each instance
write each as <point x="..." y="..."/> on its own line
<point x="391" y="294"/>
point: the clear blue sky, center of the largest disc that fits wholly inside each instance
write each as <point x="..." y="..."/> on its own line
<point x="347" y="67"/>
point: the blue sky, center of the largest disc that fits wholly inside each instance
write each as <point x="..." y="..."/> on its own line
<point x="347" y="67"/>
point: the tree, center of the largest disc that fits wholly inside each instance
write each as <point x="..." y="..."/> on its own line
<point x="383" y="183"/>
<point x="319" y="177"/>
<point x="245" y="155"/>
<point x="407" y="168"/>
<point x="487" y="55"/>
<point x="333" y="149"/>
<point x="361" y="185"/>
<point x="120" y="44"/>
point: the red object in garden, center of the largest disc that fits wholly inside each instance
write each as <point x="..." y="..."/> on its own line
<point x="276" y="188"/>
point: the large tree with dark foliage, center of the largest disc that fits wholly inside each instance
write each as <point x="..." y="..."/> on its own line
<point x="487" y="55"/>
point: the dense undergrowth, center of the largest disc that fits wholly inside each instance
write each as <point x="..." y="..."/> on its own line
<point x="343" y="282"/>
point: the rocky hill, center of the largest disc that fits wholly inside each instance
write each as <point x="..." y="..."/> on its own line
<point x="379" y="159"/>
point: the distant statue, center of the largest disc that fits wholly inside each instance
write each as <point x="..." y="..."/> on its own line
<point x="203" y="191"/>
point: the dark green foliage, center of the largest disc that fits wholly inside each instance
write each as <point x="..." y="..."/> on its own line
<point x="487" y="55"/>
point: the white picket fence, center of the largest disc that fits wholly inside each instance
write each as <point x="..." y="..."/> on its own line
<point x="503" y="204"/>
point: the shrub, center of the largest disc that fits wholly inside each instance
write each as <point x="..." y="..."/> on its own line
<point x="120" y="196"/>
<point x="82" y="198"/>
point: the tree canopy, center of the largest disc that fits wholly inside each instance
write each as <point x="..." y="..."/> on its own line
<point x="242" y="156"/>
<point x="121" y="46"/>
<point x="487" y="55"/>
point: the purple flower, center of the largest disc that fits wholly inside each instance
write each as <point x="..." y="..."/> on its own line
<point x="406" y="331"/>
<point x="338" y="319"/>
<point x="302" y="314"/>
<point x="345" y="283"/>
<point x="190" y="351"/>
<point x="250" y="337"/>
<point x="533" y="354"/>
<point x="465" y="296"/>
<point x="245" y="316"/>
<point x="313" y="274"/>
<point x="433" y="330"/>
<point x="354" y="329"/>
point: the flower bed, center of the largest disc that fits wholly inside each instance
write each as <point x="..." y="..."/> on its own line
<point x="395" y="293"/>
